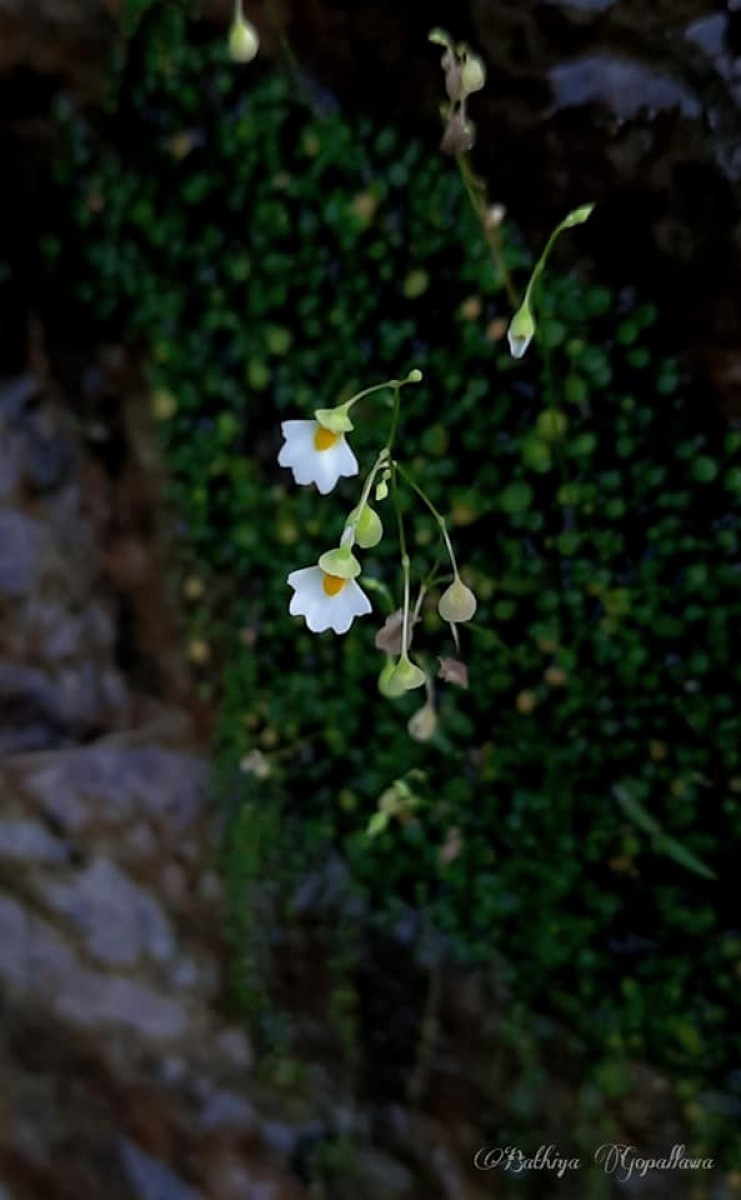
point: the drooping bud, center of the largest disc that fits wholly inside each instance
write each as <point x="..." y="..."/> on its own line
<point x="423" y="724"/>
<point x="457" y="602"/>
<point x="341" y="563"/>
<point x="389" y="636"/>
<point x="452" y="670"/>
<point x="243" y="39"/>
<point x="473" y="74"/>
<point x="521" y="330"/>
<point x="369" y="529"/>
<point x="452" y="70"/>
<point x="459" y="135"/>
<point x="405" y="677"/>
<point x="385" y="678"/>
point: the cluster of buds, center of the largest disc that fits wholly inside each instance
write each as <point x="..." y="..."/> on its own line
<point x="328" y="594"/>
<point x="464" y="75"/>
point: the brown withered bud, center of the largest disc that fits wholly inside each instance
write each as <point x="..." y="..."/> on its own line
<point x="452" y="69"/>
<point x="459" y="135"/>
<point x="452" y="670"/>
<point x="451" y="847"/>
<point x="389" y="637"/>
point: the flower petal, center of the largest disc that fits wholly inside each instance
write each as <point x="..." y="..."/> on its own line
<point x="320" y="610"/>
<point x="309" y="465"/>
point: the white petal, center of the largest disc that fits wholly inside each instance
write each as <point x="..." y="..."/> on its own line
<point x="350" y="603"/>
<point x="321" y="611"/>
<point x="298" y="442"/>
<point x="330" y="464"/>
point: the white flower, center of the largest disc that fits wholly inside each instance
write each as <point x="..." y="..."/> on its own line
<point x="326" y="601"/>
<point x="315" y="454"/>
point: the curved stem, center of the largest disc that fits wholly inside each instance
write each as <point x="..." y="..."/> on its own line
<point x="440" y="519"/>
<point x="476" y="192"/>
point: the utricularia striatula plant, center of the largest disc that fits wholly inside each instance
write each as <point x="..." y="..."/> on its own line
<point x="328" y="595"/>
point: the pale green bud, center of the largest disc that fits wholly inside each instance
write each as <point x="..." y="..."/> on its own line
<point x="385" y="678"/>
<point x="473" y="74"/>
<point x="382" y="490"/>
<point x="336" y="420"/>
<point x="368" y="530"/>
<point x="521" y="330"/>
<point x="457" y="602"/>
<point x="243" y="40"/>
<point x="423" y="724"/>
<point x="405" y="677"/>
<point x="340" y="562"/>
<point x="578" y="216"/>
<point x="414" y="376"/>
<point x="440" y="38"/>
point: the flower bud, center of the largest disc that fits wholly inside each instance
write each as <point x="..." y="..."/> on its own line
<point x="384" y="679"/>
<point x="473" y="74"/>
<point x="521" y="330"/>
<point x="405" y="677"/>
<point x="368" y="529"/>
<point x="452" y="670"/>
<point x="423" y="724"/>
<point x="389" y="636"/>
<point x="459" y="135"/>
<point x="340" y="562"/>
<point x="578" y="216"/>
<point x="452" y="70"/>
<point x="457" y="602"/>
<point x="243" y="40"/>
<point x="336" y="420"/>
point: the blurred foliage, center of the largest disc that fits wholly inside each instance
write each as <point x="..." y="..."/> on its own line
<point x="579" y="810"/>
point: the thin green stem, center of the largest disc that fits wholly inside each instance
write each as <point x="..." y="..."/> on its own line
<point x="476" y="192"/>
<point x="292" y="62"/>
<point x="394" y="418"/>
<point x="404" y="565"/>
<point x="381" y="460"/>
<point x="440" y="519"/>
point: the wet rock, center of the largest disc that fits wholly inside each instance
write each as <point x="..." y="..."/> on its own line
<point x="23" y="543"/>
<point x="228" y="1110"/>
<point x="151" y="1179"/>
<point x="29" y="842"/>
<point x="626" y="88"/>
<point x="37" y="960"/>
<point x="110" y="784"/>
<point x="119" y="922"/>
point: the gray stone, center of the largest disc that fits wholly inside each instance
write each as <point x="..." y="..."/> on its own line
<point x="10" y="474"/>
<point x="227" y="1110"/>
<point x="233" y="1044"/>
<point x="120" y="922"/>
<point x="625" y="87"/>
<point x="120" y="782"/>
<point x="23" y="542"/>
<point x="14" y="396"/>
<point x="151" y="1179"/>
<point x="27" y="841"/>
<point x="37" y="961"/>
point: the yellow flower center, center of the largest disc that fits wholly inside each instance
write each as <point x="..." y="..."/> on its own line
<point x="324" y="439"/>
<point x="333" y="585"/>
